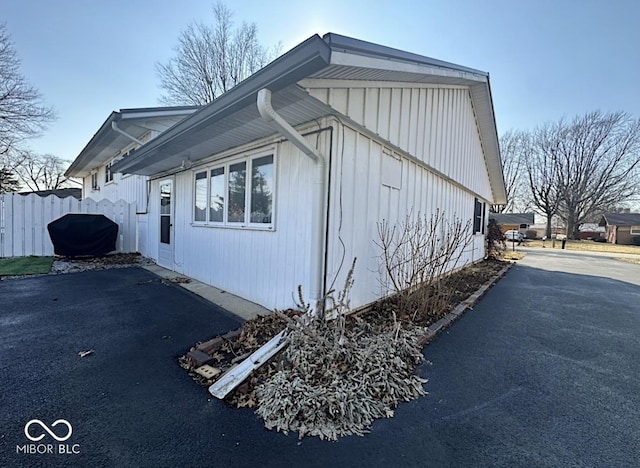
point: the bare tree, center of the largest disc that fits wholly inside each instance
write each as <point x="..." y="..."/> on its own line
<point x="210" y="60"/>
<point x="513" y="145"/>
<point x="8" y="181"/>
<point x="22" y="113"/>
<point x="42" y="172"/>
<point x="540" y="159"/>
<point x="598" y="162"/>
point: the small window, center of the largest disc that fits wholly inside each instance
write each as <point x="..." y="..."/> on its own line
<point x="94" y="181"/>
<point x="635" y="230"/>
<point x="237" y="191"/>
<point x="200" y="203"/>
<point x="478" y="217"/>
<point x="261" y="189"/>
<point x="108" y="175"/>
<point x="216" y="199"/>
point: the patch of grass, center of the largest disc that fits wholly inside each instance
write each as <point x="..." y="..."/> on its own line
<point x="510" y="255"/>
<point x="587" y="245"/>
<point x="25" y="265"/>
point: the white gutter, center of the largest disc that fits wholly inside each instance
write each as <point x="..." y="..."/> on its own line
<point x="122" y="132"/>
<point x="268" y="113"/>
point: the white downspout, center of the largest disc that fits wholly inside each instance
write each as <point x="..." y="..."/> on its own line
<point x="268" y="113"/>
<point x="122" y="132"/>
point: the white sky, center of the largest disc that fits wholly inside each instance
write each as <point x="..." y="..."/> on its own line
<point x="547" y="58"/>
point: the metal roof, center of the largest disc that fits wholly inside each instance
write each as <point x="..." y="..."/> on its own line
<point x="106" y="142"/>
<point x="232" y="119"/>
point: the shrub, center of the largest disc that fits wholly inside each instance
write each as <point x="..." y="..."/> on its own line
<point x="531" y="234"/>
<point x="635" y="240"/>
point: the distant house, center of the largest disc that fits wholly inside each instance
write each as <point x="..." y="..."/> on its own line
<point x="622" y="228"/>
<point x="513" y="221"/>
<point x="589" y="231"/>
<point x="60" y="193"/>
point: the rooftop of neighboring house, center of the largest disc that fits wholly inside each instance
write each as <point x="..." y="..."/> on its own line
<point x="60" y="193"/>
<point x="620" y="219"/>
<point x="513" y="218"/>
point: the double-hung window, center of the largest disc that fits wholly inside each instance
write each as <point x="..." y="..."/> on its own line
<point x="239" y="193"/>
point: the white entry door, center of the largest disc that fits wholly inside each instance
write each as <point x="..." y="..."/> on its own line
<point x="165" y="249"/>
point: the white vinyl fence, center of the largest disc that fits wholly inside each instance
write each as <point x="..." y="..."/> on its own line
<point x="24" y="219"/>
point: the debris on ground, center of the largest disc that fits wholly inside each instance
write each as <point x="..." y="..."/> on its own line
<point x="78" y="264"/>
<point x="337" y="376"/>
<point x="86" y="353"/>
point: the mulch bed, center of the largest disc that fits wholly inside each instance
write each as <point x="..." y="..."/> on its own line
<point x="227" y="350"/>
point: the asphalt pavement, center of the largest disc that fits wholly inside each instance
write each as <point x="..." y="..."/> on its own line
<point x="542" y="372"/>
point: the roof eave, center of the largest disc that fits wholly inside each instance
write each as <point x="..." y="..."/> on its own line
<point x="311" y="55"/>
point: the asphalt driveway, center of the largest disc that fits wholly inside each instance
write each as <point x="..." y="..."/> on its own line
<point x="543" y="372"/>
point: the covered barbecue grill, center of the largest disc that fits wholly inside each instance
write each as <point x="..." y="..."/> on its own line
<point x="75" y="235"/>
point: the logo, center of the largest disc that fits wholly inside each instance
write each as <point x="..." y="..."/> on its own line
<point x="51" y="433"/>
<point x="60" y="431"/>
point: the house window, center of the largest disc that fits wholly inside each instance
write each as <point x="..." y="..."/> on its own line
<point x="237" y="190"/>
<point x="635" y="231"/>
<point x="225" y="195"/>
<point x="478" y="216"/>
<point x="108" y="175"/>
<point x="94" y="181"/>
<point x="200" y="211"/>
<point x="216" y="198"/>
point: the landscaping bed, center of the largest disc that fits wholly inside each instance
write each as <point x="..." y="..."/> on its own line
<point x="336" y="376"/>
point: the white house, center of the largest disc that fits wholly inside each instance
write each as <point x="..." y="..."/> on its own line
<point x="122" y="132"/>
<point x="337" y="135"/>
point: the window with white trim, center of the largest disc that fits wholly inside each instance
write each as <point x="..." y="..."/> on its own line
<point x="94" y="181"/>
<point x="478" y="216"/>
<point x="635" y="230"/>
<point x="108" y="175"/>
<point x="225" y="196"/>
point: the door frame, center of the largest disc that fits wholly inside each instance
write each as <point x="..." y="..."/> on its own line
<point x="166" y="251"/>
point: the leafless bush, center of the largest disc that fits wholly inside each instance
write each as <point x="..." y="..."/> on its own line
<point x="415" y="256"/>
<point x="333" y="379"/>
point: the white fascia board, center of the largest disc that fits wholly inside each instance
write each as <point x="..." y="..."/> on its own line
<point x="155" y="114"/>
<point x="311" y="83"/>
<point x="362" y="61"/>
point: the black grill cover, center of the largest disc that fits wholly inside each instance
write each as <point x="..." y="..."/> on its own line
<point x="83" y="234"/>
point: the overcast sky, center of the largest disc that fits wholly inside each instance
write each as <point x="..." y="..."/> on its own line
<point x="547" y="58"/>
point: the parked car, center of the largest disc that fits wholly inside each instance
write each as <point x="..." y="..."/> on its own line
<point x="514" y="236"/>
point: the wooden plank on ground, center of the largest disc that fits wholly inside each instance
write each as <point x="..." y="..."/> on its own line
<point x="235" y="376"/>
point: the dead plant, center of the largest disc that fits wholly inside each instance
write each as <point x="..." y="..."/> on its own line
<point x="416" y="255"/>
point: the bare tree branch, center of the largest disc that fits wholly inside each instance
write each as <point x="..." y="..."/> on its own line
<point x="22" y="114"/>
<point x="211" y="59"/>
<point x="42" y="172"/>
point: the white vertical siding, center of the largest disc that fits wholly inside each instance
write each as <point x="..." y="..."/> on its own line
<point x="437" y="125"/>
<point x="263" y="266"/>
<point x="360" y="201"/>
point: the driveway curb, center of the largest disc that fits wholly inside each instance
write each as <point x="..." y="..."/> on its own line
<point x="461" y="308"/>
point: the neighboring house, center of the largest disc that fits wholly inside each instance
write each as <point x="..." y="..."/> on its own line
<point x="60" y="193"/>
<point x="513" y="221"/>
<point x="590" y="231"/>
<point x="621" y="228"/>
<point x="121" y="133"/>
<point x="282" y="180"/>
